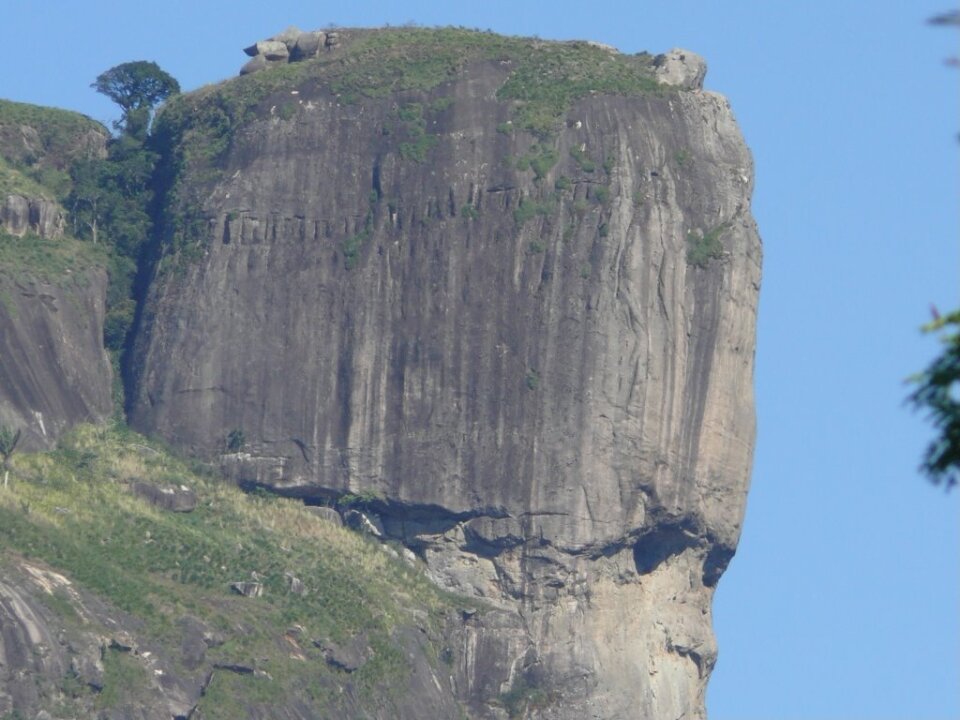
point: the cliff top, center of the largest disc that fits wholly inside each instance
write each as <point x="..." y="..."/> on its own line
<point x="543" y="78"/>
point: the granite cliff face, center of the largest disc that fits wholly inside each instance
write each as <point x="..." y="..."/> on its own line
<point x="530" y="350"/>
<point x="54" y="371"/>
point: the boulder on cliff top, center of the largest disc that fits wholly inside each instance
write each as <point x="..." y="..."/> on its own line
<point x="681" y="68"/>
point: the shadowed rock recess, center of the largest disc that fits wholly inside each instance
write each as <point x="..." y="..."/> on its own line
<point x="505" y="290"/>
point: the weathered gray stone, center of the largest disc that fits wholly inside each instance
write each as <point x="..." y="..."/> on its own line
<point x="257" y="63"/>
<point x="681" y="68"/>
<point x="288" y="37"/>
<point x="87" y="665"/>
<point x="168" y="497"/>
<point x="348" y="656"/>
<point x="54" y="371"/>
<point x="365" y="522"/>
<point x="294" y="584"/>
<point x="272" y="49"/>
<point x="20" y="214"/>
<point x="247" y="588"/>
<point x="308" y="45"/>
<point x="327" y="514"/>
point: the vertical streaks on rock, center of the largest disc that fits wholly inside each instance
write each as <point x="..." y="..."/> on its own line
<point x="506" y="339"/>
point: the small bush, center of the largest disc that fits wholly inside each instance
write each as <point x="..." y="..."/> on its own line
<point x="528" y="209"/>
<point x="532" y="379"/>
<point x="580" y="156"/>
<point x="235" y="440"/>
<point x="704" y="247"/>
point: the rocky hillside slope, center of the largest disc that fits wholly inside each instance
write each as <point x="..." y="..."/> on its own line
<point x="54" y="371"/>
<point x="135" y="586"/>
<point x="503" y="290"/>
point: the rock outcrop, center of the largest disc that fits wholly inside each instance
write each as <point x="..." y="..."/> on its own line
<point x="551" y="402"/>
<point x="54" y="371"/>
<point x="22" y="214"/>
<point x="530" y="350"/>
<point x="292" y="45"/>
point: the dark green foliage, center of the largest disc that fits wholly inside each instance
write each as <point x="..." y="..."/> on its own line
<point x="109" y="204"/>
<point x="540" y="159"/>
<point x="441" y="104"/>
<point x="600" y="194"/>
<point x="704" y="247"/>
<point x="352" y="246"/>
<point x="563" y="183"/>
<point x="522" y="697"/>
<point x="235" y="440"/>
<point x="413" y="125"/>
<point x="529" y="208"/>
<point x="532" y="379"/>
<point x="469" y="212"/>
<point x="536" y="247"/>
<point x="937" y="394"/>
<point x="136" y="87"/>
<point x="59" y="138"/>
<point x="681" y="156"/>
<point x="8" y="442"/>
<point x="585" y="163"/>
<point x="362" y="500"/>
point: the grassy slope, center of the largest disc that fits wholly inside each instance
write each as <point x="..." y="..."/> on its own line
<point x="42" y="171"/>
<point x="63" y="261"/>
<point x="71" y="510"/>
<point x="52" y="141"/>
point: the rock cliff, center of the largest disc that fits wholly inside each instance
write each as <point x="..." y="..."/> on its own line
<point x="511" y="307"/>
<point x="54" y="371"/>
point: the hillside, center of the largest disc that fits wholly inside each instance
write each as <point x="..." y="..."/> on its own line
<point x="116" y="597"/>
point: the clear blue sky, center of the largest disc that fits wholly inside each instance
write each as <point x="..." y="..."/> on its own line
<point x="843" y="601"/>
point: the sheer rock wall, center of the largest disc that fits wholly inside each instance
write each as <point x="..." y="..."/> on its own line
<point x="534" y="381"/>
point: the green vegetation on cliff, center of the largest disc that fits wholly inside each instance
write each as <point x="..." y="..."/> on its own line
<point x="40" y="144"/>
<point x="543" y="78"/>
<point x="63" y="261"/>
<point x="75" y="511"/>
